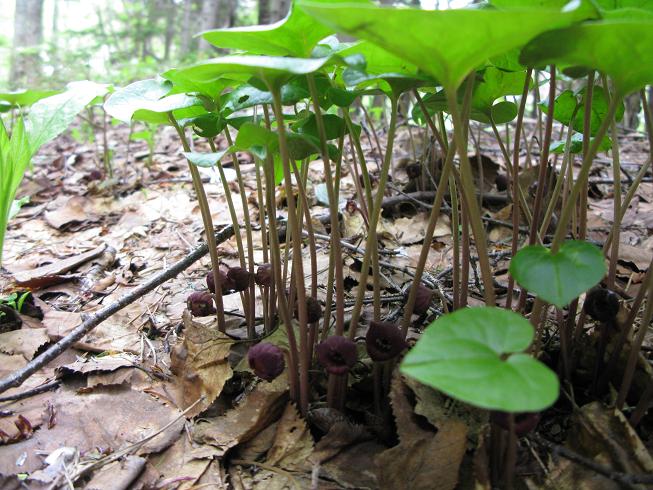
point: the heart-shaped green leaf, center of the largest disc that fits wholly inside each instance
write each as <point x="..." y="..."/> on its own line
<point x="50" y="116"/>
<point x="147" y="100"/>
<point x="558" y="278"/>
<point x="446" y="44"/>
<point x="619" y="48"/>
<point x="275" y="71"/>
<point x="567" y="104"/>
<point x="205" y="160"/>
<point x="577" y="144"/>
<point x="295" y="35"/>
<point x="476" y="355"/>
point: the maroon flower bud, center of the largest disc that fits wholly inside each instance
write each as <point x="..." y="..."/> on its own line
<point x="384" y="341"/>
<point x="226" y="284"/>
<point x="414" y="170"/>
<point x="313" y="310"/>
<point x="337" y="354"/>
<point x="266" y="360"/>
<point x="200" y="303"/>
<point x="264" y="275"/>
<point x="602" y="304"/>
<point x="502" y="182"/>
<point x="422" y="299"/>
<point x="524" y="422"/>
<point x="240" y="278"/>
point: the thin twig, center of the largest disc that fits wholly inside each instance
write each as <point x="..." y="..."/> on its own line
<point x="31" y="392"/>
<point x="93" y="320"/>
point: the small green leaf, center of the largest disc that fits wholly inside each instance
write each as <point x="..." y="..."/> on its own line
<point x="274" y="71"/>
<point x="205" y="160"/>
<point x="476" y="355"/>
<point x="558" y="278"/>
<point x="147" y="101"/>
<point x="567" y="103"/>
<point x="577" y="144"/>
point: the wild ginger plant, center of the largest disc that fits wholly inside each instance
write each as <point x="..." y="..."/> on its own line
<point x="289" y="96"/>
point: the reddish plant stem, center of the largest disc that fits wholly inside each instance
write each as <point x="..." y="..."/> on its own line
<point x="516" y="189"/>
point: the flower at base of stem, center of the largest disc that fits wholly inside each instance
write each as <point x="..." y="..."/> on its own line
<point x="337" y="355"/>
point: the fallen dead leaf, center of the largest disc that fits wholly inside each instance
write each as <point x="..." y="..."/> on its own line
<point x="51" y="273"/>
<point x="293" y="443"/>
<point x="25" y="342"/>
<point x="107" y="420"/>
<point x="74" y="210"/>
<point x="258" y="410"/>
<point x="200" y="364"/>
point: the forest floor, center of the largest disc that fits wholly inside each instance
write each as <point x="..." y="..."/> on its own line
<point x="85" y="240"/>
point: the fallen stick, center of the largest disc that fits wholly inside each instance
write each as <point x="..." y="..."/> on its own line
<point x="93" y="320"/>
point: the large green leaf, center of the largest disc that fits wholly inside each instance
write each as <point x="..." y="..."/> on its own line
<point x="618" y="48"/>
<point x="274" y="70"/>
<point x="25" y="98"/>
<point x="558" y="278"/>
<point x="447" y="44"/>
<point x="212" y="89"/>
<point x="476" y="355"/>
<point x="147" y="100"/>
<point x="49" y="117"/>
<point x="295" y="35"/>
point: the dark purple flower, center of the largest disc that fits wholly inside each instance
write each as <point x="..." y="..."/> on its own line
<point x="337" y="354"/>
<point x="266" y="360"/>
<point x="602" y="304"/>
<point x="384" y="341"/>
<point x="264" y="275"/>
<point x="200" y="303"/>
<point x="414" y="170"/>
<point x="240" y="278"/>
<point x="524" y="422"/>
<point x="422" y="299"/>
<point x="313" y="310"/>
<point x="226" y="284"/>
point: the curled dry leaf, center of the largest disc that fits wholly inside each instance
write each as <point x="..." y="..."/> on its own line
<point x="200" y="364"/>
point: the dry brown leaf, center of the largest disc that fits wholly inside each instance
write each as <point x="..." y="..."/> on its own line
<point x="24" y="342"/>
<point x="52" y="272"/>
<point x="98" y="364"/>
<point x="107" y="420"/>
<point x="118" y="475"/>
<point x="200" y="364"/>
<point x="258" y="410"/>
<point x="74" y="210"/>
<point x="427" y="462"/>
<point x="293" y="443"/>
<point x="181" y="460"/>
<point x="114" y="334"/>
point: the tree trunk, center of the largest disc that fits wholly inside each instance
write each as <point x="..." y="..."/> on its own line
<point x="208" y="18"/>
<point x="28" y="35"/>
<point x="263" y="12"/>
<point x="170" y="29"/>
<point x="186" y="28"/>
<point x="278" y="9"/>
